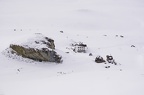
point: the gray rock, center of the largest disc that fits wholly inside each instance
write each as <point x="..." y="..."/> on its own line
<point x="45" y="53"/>
<point x="110" y="59"/>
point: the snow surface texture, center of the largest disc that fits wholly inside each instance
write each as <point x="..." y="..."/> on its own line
<point x="108" y="27"/>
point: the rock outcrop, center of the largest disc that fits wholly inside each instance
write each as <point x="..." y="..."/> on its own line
<point x="39" y="49"/>
<point x="99" y="59"/>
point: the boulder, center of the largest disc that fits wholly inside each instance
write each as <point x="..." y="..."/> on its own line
<point x="110" y="59"/>
<point x="39" y="49"/>
<point x="99" y="59"/>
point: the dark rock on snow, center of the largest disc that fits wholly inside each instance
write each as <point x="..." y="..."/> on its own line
<point x="61" y="31"/>
<point x="90" y="54"/>
<point x="132" y="45"/>
<point x="107" y="66"/>
<point x="110" y="59"/>
<point x="99" y="59"/>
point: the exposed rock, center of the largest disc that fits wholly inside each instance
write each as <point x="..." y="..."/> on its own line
<point x="61" y="31"/>
<point x="67" y="52"/>
<point x="121" y="36"/>
<point x="107" y="66"/>
<point x="39" y="49"/>
<point x="110" y="59"/>
<point x="99" y="59"/>
<point x="90" y="54"/>
<point x="49" y="43"/>
<point x="132" y="45"/>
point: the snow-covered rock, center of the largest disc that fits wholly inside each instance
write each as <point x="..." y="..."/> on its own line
<point x="38" y="48"/>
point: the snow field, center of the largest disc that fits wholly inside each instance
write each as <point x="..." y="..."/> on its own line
<point x="97" y="23"/>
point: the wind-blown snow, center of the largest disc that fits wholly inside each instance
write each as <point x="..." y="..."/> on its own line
<point x="108" y="27"/>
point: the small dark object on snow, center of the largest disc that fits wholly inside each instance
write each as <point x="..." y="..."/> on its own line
<point x="121" y="36"/>
<point x="132" y="45"/>
<point x="107" y="66"/>
<point x="110" y="59"/>
<point x="14" y="29"/>
<point x="90" y="54"/>
<point x="116" y="35"/>
<point x="67" y="52"/>
<point x="36" y="42"/>
<point x="18" y="70"/>
<point x="99" y="59"/>
<point x="61" y="31"/>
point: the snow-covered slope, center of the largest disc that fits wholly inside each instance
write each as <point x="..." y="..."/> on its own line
<point x="108" y="27"/>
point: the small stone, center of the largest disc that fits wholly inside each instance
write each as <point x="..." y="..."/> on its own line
<point x="90" y="54"/>
<point x="107" y="66"/>
<point x="132" y="45"/>
<point x="121" y="36"/>
<point x="61" y="31"/>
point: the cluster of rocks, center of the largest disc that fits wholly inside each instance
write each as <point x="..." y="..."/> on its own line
<point x="116" y="36"/>
<point x="109" y="59"/>
<point x="119" y="36"/>
<point x="99" y="59"/>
